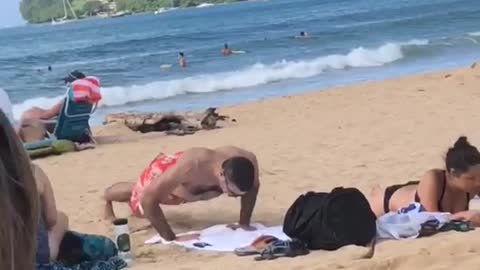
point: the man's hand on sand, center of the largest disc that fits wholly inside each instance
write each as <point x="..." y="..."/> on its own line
<point x="239" y="226"/>
<point x="188" y="237"/>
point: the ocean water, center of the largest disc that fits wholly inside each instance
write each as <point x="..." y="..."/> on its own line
<point x="351" y="41"/>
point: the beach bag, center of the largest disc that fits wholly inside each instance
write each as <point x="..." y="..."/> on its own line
<point x="77" y="248"/>
<point x="86" y="90"/>
<point x="331" y="220"/>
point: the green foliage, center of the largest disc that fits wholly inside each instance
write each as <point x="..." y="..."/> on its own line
<point x="88" y="8"/>
<point x="35" y="11"/>
<point x="38" y="11"/>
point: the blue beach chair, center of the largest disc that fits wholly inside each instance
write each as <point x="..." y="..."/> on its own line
<point x="72" y="123"/>
<point x="73" y="120"/>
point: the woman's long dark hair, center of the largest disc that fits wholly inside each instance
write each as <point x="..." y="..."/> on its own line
<point x="19" y="202"/>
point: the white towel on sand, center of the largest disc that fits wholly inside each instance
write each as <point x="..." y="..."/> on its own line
<point x="221" y="238"/>
<point x="407" y="225"/>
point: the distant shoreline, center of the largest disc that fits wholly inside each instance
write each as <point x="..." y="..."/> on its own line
<point x="111" y="13"/>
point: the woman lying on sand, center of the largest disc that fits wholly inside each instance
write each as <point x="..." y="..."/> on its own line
<point x="439" y="190"/>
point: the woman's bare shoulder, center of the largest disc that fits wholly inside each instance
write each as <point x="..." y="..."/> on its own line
<point x="40" y="177"/>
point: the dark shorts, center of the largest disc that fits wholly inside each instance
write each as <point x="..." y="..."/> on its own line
<point x="43" y="248"/>
<point x="389" y="193"/>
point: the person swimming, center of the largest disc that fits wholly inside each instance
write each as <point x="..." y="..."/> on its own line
<point x="196" y="174"/>
<point x="439" y="190"/>
<point x="226" y="50"/>
<point x="303" y="35"/>
<point x="182" y="62"/>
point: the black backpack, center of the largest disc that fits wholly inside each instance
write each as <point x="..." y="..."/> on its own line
<point x="331" y="220"/>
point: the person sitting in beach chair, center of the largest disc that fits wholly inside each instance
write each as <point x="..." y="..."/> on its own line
<point x="196" y="174"/>
<point x="36" y="113"/>
<point x="439" y="190"/>
<point x="80" y="102"/>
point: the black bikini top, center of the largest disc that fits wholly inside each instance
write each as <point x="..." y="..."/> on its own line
<point x="442" y="194"/>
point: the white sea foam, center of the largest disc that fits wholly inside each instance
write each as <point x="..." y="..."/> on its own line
<point x="474" y="34"/>
<point x="251" y="76"/>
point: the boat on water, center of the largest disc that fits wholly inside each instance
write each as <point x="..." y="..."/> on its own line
<point x="64" y="19"/>
<point x="166" y="9"/>
<point x="120" y="14"/>
<point x="204" y="5"/>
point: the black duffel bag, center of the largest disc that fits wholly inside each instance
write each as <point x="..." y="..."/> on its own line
<point x="331" y="220"/>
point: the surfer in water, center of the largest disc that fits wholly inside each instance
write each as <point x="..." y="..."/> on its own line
<point x="303" y="35"/>
<point x="181" y="60"/>
<point x="226" y="50"/>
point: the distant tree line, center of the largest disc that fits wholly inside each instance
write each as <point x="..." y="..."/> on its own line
<point x="152" y="5"/>
<point x="39" y="11"/>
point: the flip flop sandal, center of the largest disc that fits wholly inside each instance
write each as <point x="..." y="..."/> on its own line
<point x="256" y="246"/>
<point x="457" y="225"/>
<point x="429" y="228"/>
<point x="281" y="248"/>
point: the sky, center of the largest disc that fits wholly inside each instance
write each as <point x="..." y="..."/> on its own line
<point x="10" y="13"/>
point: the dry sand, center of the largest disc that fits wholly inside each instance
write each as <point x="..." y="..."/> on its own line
<point x="382" y="132"/>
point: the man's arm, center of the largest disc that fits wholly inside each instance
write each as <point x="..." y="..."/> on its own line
<point x="247" y="205"/>
<point x="160" y="188"/>
<point x="250" y="198"/>
<point x="53" y="111"/>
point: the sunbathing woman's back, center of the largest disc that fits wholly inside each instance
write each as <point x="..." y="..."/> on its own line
<point x="448" y="190"/>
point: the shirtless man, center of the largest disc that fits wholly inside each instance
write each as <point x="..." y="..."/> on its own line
<point x="197" y="174"/>
<point x="226" y="50"/>
<point x="182" y="62"/>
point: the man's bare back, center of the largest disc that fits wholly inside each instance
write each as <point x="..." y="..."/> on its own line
<point x="194" y="175"/>
<point x="202" y="181"/>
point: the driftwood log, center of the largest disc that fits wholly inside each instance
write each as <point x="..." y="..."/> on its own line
<point x="171" y="123"/>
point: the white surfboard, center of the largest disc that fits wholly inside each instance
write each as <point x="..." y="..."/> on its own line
<point x="166" y="66"/>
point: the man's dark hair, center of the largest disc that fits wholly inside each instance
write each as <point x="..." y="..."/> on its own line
<point x="461" y="156"/>
<point x="239" y="171"/>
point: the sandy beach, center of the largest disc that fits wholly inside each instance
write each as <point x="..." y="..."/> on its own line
<point x="380" y="132"/>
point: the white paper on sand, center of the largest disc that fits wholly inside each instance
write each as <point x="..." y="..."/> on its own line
<point x="406" y="225"/>
<point x="224" y="239"/>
